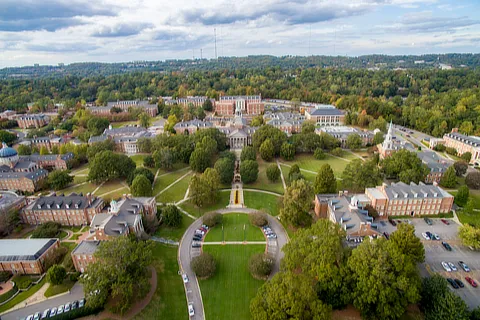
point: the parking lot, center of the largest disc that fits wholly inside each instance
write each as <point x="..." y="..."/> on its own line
<point x="435" y="253"/>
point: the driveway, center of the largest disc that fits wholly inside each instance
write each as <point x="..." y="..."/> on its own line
<point x="75" y="294"/>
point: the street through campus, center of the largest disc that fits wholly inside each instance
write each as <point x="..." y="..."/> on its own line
<point x="76" y="293"/>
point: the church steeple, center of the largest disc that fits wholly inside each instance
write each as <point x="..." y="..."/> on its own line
<point x="388" y="142"/>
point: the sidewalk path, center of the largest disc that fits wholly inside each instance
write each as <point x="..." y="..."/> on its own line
<point x="281" y="176"/>
<point x="173" y="183"/>
<point x="233" y="242"/>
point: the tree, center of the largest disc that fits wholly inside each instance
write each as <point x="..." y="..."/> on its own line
<point x="249" y="171"/>
<point x="294" y="173"/>
<point x="354" y="141"/>
<point x="297" y="203"/>
<point x="44" y="151"/>
<point x="287" y="151"/>
<point x="378" y="138"/>
<point x="172" y="217"/>
<point x="165" y="158"/>
<point x="438" y="302"/>
<point x="372" y="212"/>
<point x="462" y="195"/>
<point x="197" y="190"/>
<point x="119" y="272"/>
<point x="140" y="171"/>
<point x="144" y="145"/>
<point x="59" y="179"/>
<point x="472" y="180"/>
<point x="7" y="137"/>
<point x="148" y="162"/>
<point x="267" y="151"/>
<point x="8" y="221"/>
<point x="470" y="236"/>
<point x="467" y="156"/>
<point x="273" y="173"/>
<point x="449" y="178"/>
<point x="359" y="175"/>
<point x="276" y="136"/>
<point x="24" y="150"/>
<point x="451" y="151"/>
<point x="96" y="148"/>
<point x="141" y="186"/>
<point x="406" y="166"/>
<point x="404" y="239"/>
<point x="319" y="252"/>
<point x="260" y="265"/>
<point x="203" y="265"/>
<point x="257" y="121"/>
<point x="200" y="159"/>
<point x="211" y="137"/>
<point x="49" y="229"/>
<point x="258" y="219"/>
<point x="225" y="168"/>
<point x="460" y="168"/>
<point x="171" y="122"/>
<point x="204" y="188"/>
<point x="325" y="181"/>
<point x="207" y="105"/>
<point x="108" y="165"/>
<point x="338" y="152"/>
<point x="288" y="296"/>
<point x="56" y="274"/>
<point x="212" y="219"/>
<point x="248" y="153"/>
<point x="379" y="264"/>
<point x="145" y="120"/>
<point x="308" y="127"/>
<point x="96" y="125"/>
<point x="319" y="154"/>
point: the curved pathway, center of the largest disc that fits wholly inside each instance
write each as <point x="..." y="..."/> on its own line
<point x="186" y="253"/>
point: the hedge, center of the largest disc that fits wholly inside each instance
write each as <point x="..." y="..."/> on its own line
<point x="7" y="295"/>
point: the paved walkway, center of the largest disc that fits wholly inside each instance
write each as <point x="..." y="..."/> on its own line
<point x="173" y="183"/>
<point x="309" y="171"/>
<point x="264" y="191"/>
<point x="236" y="187"/>
<point x="96" y="189"/>
<point x="356" y="155"/>
<point x="107" y="193"/>
<point x="281" y="176"/>
<point x="233" y="242"/>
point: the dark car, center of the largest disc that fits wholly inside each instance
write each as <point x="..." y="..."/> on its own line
<point x="447" y="246"/>
<point x="428" y="221"/>
<point x="464" y="266"/>
<point x="392" y="222"/>
<point x="387" y="236"/>
<point x="429" y="234"/>
<point x="445" y="221"/>
<point x="452" y="283"/>
<point x="459" y="283"/>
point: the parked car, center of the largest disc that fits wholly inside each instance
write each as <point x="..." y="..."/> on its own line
<point x="452" y="283"/>
<point x="191" y="311"/>
<point x="36" y="316"/>
<point x="60" y="309"/>
<point x="68" y="306"/>
<point x="30" y="317"/>
<point x="196" y="245"/>
<point x="392" y="222"/>
<point x="81" y="303"/>
<point x="445" y="221"/>
<point x="447" y="246"/>
<point x="459" y="283"/>
<point x="53" y="312"/>
<point x="205" y="226"/>
<point x="429" y="234"/>
<point x="471" y="281"/>
<point x="185" y="278"/>
<point x="425" y="236"/>
<point x="74" y="305"/>
<point x="45" y="314"/>
<point x="435" y="236"/>
<point x="452" y="266"/>
<point x="387" y="236"/>
<point x="272" y="236"/>
<point x="446" y="266"/>
<point x="464" y="266"/>
<point x="428" y="221"/>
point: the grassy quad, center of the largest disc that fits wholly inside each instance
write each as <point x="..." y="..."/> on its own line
<point x="222" y="202"/>
<point x="308" y="162"/>
<point x="174" y="233"/>
<point x="473" y="219"/>
<point x="22" y="296"/>
<point x="166" y="180"/>
<point x="228" y="293"/>
<point x="262" y="182"/>
<point x="233" y="229"/>
<point x="262" y="201"/>
<point x="176" y="192"/>
<point x="110" y="186"/>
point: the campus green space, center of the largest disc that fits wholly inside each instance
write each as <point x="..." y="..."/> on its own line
<point x="176" y="192"/>
<point x="117" y="194"/>
<point x="123" y="124"/>
<point x="61" y="288"/>
<point x="174" y="233"/>
<point x="83" y="169"/>
<point x="234" y="227"/>
<point x="228" y="293"/>
<point x="308" y="162"/>
<point x="110" y="186"/>
<point x="164" y="181"/>
<point x="79" y="179"/>
<point x="138" y="159"/>
<point x="309" y="176"/>
<point x="169" y="301"/>
<point x="82" y="188"/>
<point x="22" y="296"/>
<point x="262" y="201"/>
<point x="474" y="218"/>
<point x="262" y="182"/>
<point x="222" y="202"/>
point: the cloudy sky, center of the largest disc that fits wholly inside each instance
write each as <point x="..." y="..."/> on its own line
<point x="53" y="31"/>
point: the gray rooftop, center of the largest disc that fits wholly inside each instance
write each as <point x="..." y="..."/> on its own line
<point x="433" y="161"/>
<point x="86" y="247"/>
<point x="402" y="190"/>
<point x="325" y="112"/>
<point x="35" y="175"/>
<point x="471" y="140"/>
<point x="23" y="249"/>
<point x="72" y="201"/>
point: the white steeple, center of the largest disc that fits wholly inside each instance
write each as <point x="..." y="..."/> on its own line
<point x="388" y="142"/>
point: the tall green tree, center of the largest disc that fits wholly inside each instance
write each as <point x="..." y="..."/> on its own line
<point x="165" y="158"/>
<point x="56" y="274"/>
<point x="267" y="151"/>
<point x="273" y="173"/>
<point x="325" y="181"/>
<point x="249" y="171"/>
<point x="59" y="179"/>
<point x="96" y="126"/>
<point x="277" y="137"/>
<point x="470" y="236"/>
<point x="225" y="168"/>
<point x="287" y="151"/>
<point x="449" y="178"/>
<point x="108" y="165"/>
<point x="404" y="165"/>
<point x="200" y="159"/>
<point x="145" y="120"/>
<point x="297" y="203"/>
<point x="248" y="153"/>
<point x="294" y="173"/>
<point x="354" y="141"/>
<point x="359" y="175"/>
<point x="405" y="240"/>
<point x="462" y="195"/>
<point x="378" y="138"/>
<point x="141" y="186"/>
<point x="460" y="167"/>
<point x="44" y="151"/>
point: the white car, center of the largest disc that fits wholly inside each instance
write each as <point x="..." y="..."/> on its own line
<point x="67" y="307"/>
<point x="53" y="312"/>
<point x="185" y="278"/>
<point x="60" y="309"/>
<point x="191" y="312"/>
<point x="446" y="266"/>
<point x="452" y="266"/>
<point x="425" y="236"/>
<point x="435" y="236"/>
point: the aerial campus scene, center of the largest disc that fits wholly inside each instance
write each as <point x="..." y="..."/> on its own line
<point x="270" y="160"/>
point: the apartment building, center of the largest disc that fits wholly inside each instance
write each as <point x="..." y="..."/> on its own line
<point x="399" y="199"/>
<point x="463" y="143"/>
<point x="437" y="166"/>
<point x="72" y="210"/>
<point x="26" y="256"/>
<point x="27" y="121"/>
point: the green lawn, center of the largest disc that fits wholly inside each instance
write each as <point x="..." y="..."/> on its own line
<point x="123" y="124"/>
<point x="262" y="182"/>
<point x="84" y="188"/>
<point x="61" y="288"/>
<point x="223" y="201"/>
<point x="79" y="179"/>
<point x="138" y="159"/>
<point x="308" y="162"/>
<point x="169" y="300"/>
<point x="262" y="201"/>
<point x="174" y="233"/>
<point x="115" y="195"/>
<point x="72" y="228"/>
<point x="228" y="293"/>
<point x="166" y="180"/>
<point x="110" y="186"/>
<point x="236" y="227"/>
<point x="22" y="296"/>
<point x="176" y="192"/>
<point x="75" y="236"/>
<point x="307" y="175"/>
<point x="83" y="169"/>
<point x="473" y="219"/>
<point x="62" y="234"/>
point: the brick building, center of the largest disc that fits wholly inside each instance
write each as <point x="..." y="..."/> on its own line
<point x="463" y="143"/>
<point x="125" y="138"/>
<point x="325" y="115"/>
<point x="437" y="166"/>
<point x="248" y="105"/>
<point x="341" y="133"/>
<point x="32" y="120"/>
<point x="26" y="256"/>
<point x="72" y="210"/>
<point x="192" y="126"/>
<point x="399" y="199"/>
<point x="125" y="106"/>
<point x="83" y="254"/>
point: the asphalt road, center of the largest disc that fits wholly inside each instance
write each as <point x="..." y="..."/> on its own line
<point x="75" y="294"/>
